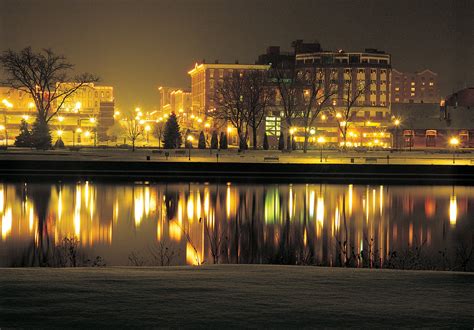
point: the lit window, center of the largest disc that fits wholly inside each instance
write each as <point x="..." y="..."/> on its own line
<point x="397" y="89"/>
<point x="413" y="83"/>
<point x="431" y="83"/>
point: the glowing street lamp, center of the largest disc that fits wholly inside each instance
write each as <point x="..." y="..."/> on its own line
<point x="93" y="121"/>
<point x="77" y="107"/>
<point x="3" y="128"/>
<point x="7" y="103"/>
<point x="147" y="130"/>
<point x="321" y="140"/>
<point x="454" y="142"/>
<point x="397" y="123"/>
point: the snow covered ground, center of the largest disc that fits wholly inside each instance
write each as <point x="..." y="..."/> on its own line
<point x="234" y="296"/>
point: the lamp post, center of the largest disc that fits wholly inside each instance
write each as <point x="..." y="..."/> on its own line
<point x="397" y="124"/>
<point x="454" y="142"/>
<point x="93" y="121"/>
<point x="190" y="144"/>
<point x="321" y="141"/>
<point x="78" y="131"/>
<point x="147" y="130"/>
<point x="4" y="128"/>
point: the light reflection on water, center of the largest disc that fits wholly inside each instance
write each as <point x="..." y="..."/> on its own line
<point x="242" y="223"/>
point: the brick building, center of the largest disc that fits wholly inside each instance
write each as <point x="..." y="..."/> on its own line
<point x="431" y="126"/>
<point x="415" y="87"/>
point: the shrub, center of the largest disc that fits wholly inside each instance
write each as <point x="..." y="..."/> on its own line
<point x="202" y="141"/>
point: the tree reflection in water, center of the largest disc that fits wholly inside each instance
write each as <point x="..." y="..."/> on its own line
<point x="334" y="225"/>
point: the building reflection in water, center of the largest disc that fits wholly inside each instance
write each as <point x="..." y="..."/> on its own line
<point x="231" y="223"/>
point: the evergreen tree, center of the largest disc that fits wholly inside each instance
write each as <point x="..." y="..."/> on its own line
<point x="172" y="136"/>
<point x="223" y="141"/>
<point x="265" y="142"/>
<point x="288" y="142"/>
<point x="24" y="138"/>
<point x="59" y="144"/>
<point x="281" y="142"/>
<point x="202" y="141"/>
<point x="293" y="144"/>
<point x="214" y="142"/>
<point x="40" y="135"/>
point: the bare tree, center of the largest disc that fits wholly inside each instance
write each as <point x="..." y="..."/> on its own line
<point x="351" y="92"/>
<point x="288" y="90"/>
<point x="133" y="129"/>
<point x="256" y="98"/>
<point x="318" y="88"/>
<point x="45" y="76"/>
<point x="231" y="106"/>
<point x="158" y="130"/>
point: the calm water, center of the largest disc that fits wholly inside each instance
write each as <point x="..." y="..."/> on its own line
<point x="190" y="223"/>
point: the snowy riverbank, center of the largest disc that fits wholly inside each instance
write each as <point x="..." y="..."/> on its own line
<point x="234" y="295"/>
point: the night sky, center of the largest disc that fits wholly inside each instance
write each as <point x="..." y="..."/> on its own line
<point x="137" y="45"/>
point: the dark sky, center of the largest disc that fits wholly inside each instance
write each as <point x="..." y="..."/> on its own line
<point x="136" y="45"/>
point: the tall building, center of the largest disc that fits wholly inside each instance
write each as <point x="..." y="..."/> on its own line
<point x="415" y="87"/>
<point x="85" y="116"/>
<point x="339" y="69"/>
<point x="205" y="78"/>
<point x="174" y="100"/>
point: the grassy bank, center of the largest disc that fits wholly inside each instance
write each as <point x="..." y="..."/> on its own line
<point x="234" y="295"/>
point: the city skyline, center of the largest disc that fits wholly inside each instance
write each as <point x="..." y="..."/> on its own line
<point x="173" y="37"/>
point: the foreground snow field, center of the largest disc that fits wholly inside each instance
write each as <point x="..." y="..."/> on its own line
<point x="235" y="296"/>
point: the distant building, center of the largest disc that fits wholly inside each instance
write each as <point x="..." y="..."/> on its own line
<point x="204" y="81"/>
<point x="86" y="114"/>
<point x="431" y="126"/>
<point x="416" y="87"/>
<point x="174" y="100"/>
<point x="371" y="68"/>
<point x="462" y="98"/>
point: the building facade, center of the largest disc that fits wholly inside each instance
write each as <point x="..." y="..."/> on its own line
<point x="367" y="73"/>
<point x="205" y="78"/>
<point x="84" y="118"/>
<point x="175" y="100"/>
<point x="431" y="126"/>
<point x="415" y="87"/>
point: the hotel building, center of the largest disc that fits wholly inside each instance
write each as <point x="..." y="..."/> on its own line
<point x="371" y="112"/>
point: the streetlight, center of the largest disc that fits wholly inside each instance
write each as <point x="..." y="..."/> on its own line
<point x="190" y="144"/>
<point x="78" y="131"/>
<point x="454" y="142"/>
<point x="397" y="124"/>
<point x="3" y="128"/>
<point x="7" y="105"/>
<point x="93" y="121"/>
<point x="321" y="141"/>
<point x="147" y="129"/>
